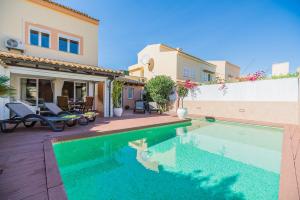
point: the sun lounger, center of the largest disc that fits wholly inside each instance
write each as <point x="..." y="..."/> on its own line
<point x="84" y="118"/>
<point x="26" y="116"/>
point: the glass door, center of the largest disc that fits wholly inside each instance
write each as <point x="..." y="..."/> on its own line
<point x="76" y="91"/>
<point x="80" y="91"/>
<point x="29" y="91"/>
<point x="36" y="91"/>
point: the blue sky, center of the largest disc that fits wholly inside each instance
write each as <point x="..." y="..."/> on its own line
<point x="250" y="33"/>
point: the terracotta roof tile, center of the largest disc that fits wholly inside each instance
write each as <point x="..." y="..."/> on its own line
<point x="70" y="9"/>
<point x="25" y="58"/>
<point x="131" y="80"/>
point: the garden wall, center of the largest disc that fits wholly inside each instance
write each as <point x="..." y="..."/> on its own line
<point x="274" y="101"/>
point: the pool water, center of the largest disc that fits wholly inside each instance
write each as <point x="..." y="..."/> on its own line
<point x="192" y="160"/>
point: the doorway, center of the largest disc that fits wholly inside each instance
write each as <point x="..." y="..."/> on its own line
<point x="100" y="98"/>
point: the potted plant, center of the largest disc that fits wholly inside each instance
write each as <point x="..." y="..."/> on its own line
<point x="5" y="89"/>
<point x="117" y="95"/>
<point x="182" y="92"/>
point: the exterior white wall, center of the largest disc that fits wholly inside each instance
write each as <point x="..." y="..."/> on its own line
<point x="3" y="100"/>
<point x="285" y="90"/>
<point x="165" y="62"/>
<point x="275" y="101"/>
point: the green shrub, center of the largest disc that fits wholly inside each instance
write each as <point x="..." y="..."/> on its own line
<point x="159" y="89"/>
<point x="291" y="75"/>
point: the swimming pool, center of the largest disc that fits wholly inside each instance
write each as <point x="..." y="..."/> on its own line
<point x="191" y="160"/>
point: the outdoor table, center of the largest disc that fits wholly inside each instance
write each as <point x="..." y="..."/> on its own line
<point x="77" y="105"/>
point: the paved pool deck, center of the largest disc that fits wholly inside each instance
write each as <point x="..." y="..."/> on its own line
<point x="25" y="153"/>
<point x="28" y="168"/>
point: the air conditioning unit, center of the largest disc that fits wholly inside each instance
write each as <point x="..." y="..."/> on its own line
<point x="12" y="43"/>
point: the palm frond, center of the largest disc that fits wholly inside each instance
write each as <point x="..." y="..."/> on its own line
<point x="5" y="89"/>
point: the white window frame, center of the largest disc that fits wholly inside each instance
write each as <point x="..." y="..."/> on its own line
<point x="74" y="87"/>
<point x="186" y="72"/>
<point x="37" y="88"/>
<point x="205" y="77"/>
<point x="193" y="74"/>
<point x="68" y="38"/>
<point x="189" y="73"/>
<point x="209" y="77"/>
<point x="40" y="31"/>
<point x="130" y="89"/>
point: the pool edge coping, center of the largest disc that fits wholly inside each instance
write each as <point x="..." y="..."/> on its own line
<point x="55" y="186"/>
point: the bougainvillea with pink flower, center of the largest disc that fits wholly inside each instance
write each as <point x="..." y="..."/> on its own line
<point x="183" y="89"/>
<point x="189" y="84"/>
<point x="256" y="76"/>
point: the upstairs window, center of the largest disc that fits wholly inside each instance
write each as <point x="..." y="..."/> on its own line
<point x="39" y="38"/>
<point x="68" y="45"/>
<point x="186" y="72"/>
<point x="73" y="47"/>
<point x="189" y="73"/>
<point x="34" y="38"/>
<point x="45" y="40"/>
<point x="63" y="44"/>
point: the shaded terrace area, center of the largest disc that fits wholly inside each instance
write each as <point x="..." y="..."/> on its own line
<point x="23" y="154"/>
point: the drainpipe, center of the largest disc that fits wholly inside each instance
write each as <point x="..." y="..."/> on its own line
<point x="109" y="95"/>
<point x="94" y="95"/>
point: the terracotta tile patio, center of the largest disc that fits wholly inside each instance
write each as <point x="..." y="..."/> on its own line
<point x="25" y="154"/>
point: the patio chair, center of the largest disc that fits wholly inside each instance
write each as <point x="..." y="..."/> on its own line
<point x="139" y="106"/>
<point x="153" y="107"/>
<point x="88" y="104"/>
<point x="26" y="116"/>
<point x="63" y="102"/>
<point x="57" y="111"/>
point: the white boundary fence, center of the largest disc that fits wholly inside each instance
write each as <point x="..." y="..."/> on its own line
<point x="276" y="90"/>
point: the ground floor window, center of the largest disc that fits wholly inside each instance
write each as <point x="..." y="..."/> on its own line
<point x="76" y="91"/>
<point x="36" y="91"/>
<point x="130" y="93"/>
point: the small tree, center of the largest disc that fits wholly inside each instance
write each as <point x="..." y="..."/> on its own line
<point x="5" y="89"/>
<point x="183" y="90"/>
<point x="117" y="93"/>
<point x="159" y="89"/>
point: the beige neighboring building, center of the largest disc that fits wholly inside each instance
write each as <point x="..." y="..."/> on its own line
<point x="49" y="50"/>
<point x="160" y="59"/>
<point x="282" y="68"/>
<point x="226" y="70"/>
